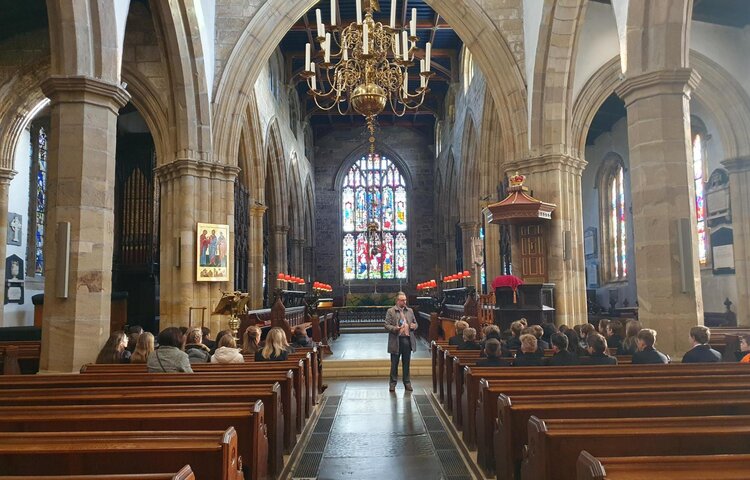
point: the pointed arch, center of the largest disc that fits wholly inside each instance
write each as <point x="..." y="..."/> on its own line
<point x="148" y="103"/>
<point x="276" y="185"/>
<point x="252" y="158"/>
<point x="468" y="178"/>
<point x="591" y="97"/>
<point x="296" y="200"/>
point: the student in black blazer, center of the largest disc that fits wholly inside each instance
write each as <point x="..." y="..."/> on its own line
<point x="458" y="339"/>
<point x="598" y="351"/>
<point x="527" y="356"/>
<point x="646" y="353"/>
<point x="492" y="351"/>
<point x="470" y="340"/>
<point x="561" y="357"/>
<point x="701" y="351"/>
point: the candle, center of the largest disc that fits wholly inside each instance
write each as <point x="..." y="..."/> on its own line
<point x="346" y="54"/>
<point x="406" y="83"/>
<point x="359" y="11"/>
<point x="421" y="77"/>
<point x="312" y="69"/>
<point x="405" y="45"/>
<point x="333" y="12"/>
<point x="307" y="56"/>
<point x="365" y="40"/>
<point x="413" y="22"/>
<point x="319" y="19"/>
<point x="428" y="56"/>
<point x="328" y="48"/>
<point x="393" y="13"/>
<point x="396" y="46"/>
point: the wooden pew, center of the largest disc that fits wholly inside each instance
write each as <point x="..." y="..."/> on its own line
<point x="515" y="412"/>
<point x="185" y="473"/>
<point x="677" y="467"/>
<point x="248" y="420"/>
<point x="211" y="454"/>
<point x="608" y="379"/>
<point x="555" y="444"/>
<point x="19" y="357"/>
<point x="269" y="395"/>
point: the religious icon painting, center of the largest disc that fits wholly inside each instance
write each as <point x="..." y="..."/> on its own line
<point x="212" y="247"/>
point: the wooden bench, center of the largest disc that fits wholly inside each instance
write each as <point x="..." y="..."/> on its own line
<point x="248" y="420"/>
<point x="677" y="467"/>
<point x="269" y="395"/>
<point x="555" y="444"/>
<point x="514" y="413"/>
<point x="19" y="357"/>
<point x="185" y="473"/>
<point x="211" y="454"/>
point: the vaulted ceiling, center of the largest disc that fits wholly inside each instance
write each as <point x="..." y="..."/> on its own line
<point x="446" y="47"/>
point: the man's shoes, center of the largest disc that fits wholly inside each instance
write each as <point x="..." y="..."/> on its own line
<point x="407" y="387"/>
<point x="392" y="388"/>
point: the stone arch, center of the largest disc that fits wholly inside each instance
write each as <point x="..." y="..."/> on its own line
<point x="468" y="178"/>
<point x="275" y="177"/>
<point x="593" y="94"/>
<point x="190" y="113"/>
<point x="657" y="35"/>
<point x="152" y="109"/>
<point x="253" y="169"/>
<point x="309" y="225"/>
<point x="22" y="96"/>
<point x="296" y="199"/>
<point x="554" y="69"/>
<point x="363" y="149"/>
<point x="82" y="41"/>
<point x="268" y="26"/>
<point x="450" y="207"/>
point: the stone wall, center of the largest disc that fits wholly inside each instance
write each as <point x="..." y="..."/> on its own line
<point x="331" y="151"/>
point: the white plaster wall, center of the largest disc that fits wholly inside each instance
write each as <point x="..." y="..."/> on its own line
<point x="726" y="46"/>
<point x="615" y="141"/>
<point x="532" y="20"/>
<point x="15" y="315"/>
<point x="206" y="13"/>
<point x="121" y="17"/>
<point x="597" y="45"/>
<point x="620" y="8"/>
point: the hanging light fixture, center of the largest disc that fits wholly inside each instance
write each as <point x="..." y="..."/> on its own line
<point x="366" y="65"/>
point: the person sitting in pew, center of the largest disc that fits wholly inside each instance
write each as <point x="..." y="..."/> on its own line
<point x="629" y="345"/>
<point x="528" y="356"/>
<point x="492" y="351"/>
<point x="562" y="356"/>
<point x="114" y="350"/>
<point x="598" y="351"/>
<point x="701" y="351"/>
<point x="583" y="346"/>
<point x="458" y="338"/>
<point x="745" y="348"/>
<point x="615" y="332"/>
<point x="514" y="342"/>
<point x="251" y="340"/>
<point x="194" y="347"/>
<point x="601" y="327"/>
<point x="470" y="340"/>
<point x="300" y="338"/>
<point x="206" y="339"/>
<point x="227" y="352"/>
<point x="143" y="348"/>
<point x="573" y="345"/>
<point x="538" y="332"/>
<point x="646" y="353"/>
<point x="134" y="332"/>
<point x="276" y="347"/>
<point x="169" y="357"/>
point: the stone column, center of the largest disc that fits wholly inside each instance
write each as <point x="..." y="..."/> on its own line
<point x="309" y="263"/>
<point x="296" y="262"/>
<point x="492" y="260"/>
<point x="663" y="193"/>
<point x="739" y="191"/>
<point x="468" y="231"/>
<point x="6" y="175"/>
<point x="278" y="262"/>
<point x="80" y="192"/>
<point x="191" y="190"/>
<point x="255" y="273"/>
<point x="556" y="178"/>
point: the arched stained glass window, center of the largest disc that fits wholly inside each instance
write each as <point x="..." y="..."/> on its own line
<point x="374" y="220"/>
<point x="613" y="221"/>
<point x="38" y="199"/>
<point x="700" y="198"/>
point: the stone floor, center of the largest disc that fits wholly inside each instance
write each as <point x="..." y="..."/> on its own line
<point x="365" y="432"/>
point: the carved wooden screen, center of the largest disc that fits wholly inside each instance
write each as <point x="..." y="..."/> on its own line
<point x="241" y="238"/>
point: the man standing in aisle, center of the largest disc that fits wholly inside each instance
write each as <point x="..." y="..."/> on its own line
<point x="400" y="323"/>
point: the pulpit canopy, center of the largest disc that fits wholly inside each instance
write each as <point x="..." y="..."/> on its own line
<point x="519" y="207"/>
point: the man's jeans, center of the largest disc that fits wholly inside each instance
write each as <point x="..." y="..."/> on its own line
<point x="404" y="351"/>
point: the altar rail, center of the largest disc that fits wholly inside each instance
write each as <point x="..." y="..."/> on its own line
<point x="361" y="314"/>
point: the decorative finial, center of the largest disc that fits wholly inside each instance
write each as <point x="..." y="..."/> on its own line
<point x="517" y="180"/>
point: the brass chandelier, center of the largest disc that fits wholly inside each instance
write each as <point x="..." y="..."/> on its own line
<point x="370" y="68"/>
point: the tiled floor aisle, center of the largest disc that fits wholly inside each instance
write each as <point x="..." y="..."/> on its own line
<point x="369" y="346"/>
<point x="365" y="432"/>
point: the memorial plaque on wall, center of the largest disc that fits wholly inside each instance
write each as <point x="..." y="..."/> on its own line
<point x="15" y="225"/>
<point x="14" y="280"/>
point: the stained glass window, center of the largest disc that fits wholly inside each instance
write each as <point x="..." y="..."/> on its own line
<point x="374" y="220"/>
<point x="700" y="199"/>
<point x="615" y="224"/>
<point x="38" y="203"/>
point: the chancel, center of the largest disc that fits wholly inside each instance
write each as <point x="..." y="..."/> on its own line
<point x="533" y="205"/>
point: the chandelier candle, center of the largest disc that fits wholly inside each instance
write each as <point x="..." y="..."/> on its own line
<point x="393" y="15"/>
<point x="413" y="23"/>
<point x="333" y="12"/>
<point x="319" y="18"/>
<point x="359" y="11"/>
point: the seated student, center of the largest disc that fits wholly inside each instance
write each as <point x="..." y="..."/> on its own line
<point x="646" y="353"/>
<point x="251" y="340"/>
<point x="114" y="350"/>
<point x="169" y="357"/>
<point x="562" y="355"/>
<point x="601" y="327"/>
<point x="614" y="334"/>
<point x="218" y="337"/>
<point x="470" y="340"/>
<point x="492" y="351"/>
<point x="143" y="348"/>
<point x="300" y="338"/>
<point x="134" y="332"/>
<point x="527" y="356"/>
<point x="458" y="338"/>
<point x="514" y="343"/>
<point x="538" y="332"/>
<point x="276" y="347"/>
<point x="586" y="330"/>
<point x="598" y="351"/>
<point x="630" y="344"/>
<point x="701" y="351"/>
<point x="227" y="351"/>
<point x="194" y="347"/>
<point x="206" y="339"/>
<point x="744" y="353"/>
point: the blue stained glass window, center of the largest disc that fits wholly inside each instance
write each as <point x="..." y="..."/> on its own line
<point x="41" y="198"/>
<point x="374" y="206"/>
